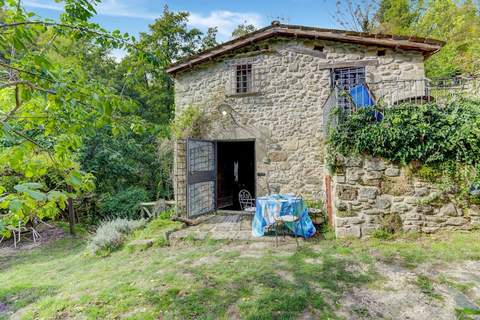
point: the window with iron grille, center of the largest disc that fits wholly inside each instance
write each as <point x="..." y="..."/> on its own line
<point x="345" y="78"/>
<point x="244" y="79"/>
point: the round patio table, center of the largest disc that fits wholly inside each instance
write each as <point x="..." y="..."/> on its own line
<point x="269" y="208"/>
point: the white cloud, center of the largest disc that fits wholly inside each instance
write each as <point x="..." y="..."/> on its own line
<point x="225" y="20"/>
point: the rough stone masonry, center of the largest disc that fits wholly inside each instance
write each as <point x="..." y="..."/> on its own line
<point x="284" y="114"/>
<point x="367" y="189"/>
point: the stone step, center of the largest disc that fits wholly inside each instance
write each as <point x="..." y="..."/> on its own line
<point x="141" y="245"/>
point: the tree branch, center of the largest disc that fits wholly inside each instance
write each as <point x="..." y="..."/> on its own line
<point x="68" y="26"/>
<point x="12" y="84"/>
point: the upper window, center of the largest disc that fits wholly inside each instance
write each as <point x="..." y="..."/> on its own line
<point x="244" y="78"/>
<point x="343" y="79"/>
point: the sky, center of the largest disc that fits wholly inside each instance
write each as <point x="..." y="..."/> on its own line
<point x="134" y="16"/>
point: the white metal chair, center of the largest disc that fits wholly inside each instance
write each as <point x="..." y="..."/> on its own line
<point x="247" y="203"/>
<point x="280" y="223"/>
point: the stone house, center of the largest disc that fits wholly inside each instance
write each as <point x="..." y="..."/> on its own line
<point x="266" y="96"/>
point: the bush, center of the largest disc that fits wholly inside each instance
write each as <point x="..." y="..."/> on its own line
<point x="427" y="133"/>
<point x="111" y="234"/>
<point x="125" y="204"/>
<point x="192" y="122"/>
<point x="382" y="234"/>
<point x="444" y="139"/>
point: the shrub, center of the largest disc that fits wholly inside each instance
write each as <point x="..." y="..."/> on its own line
<point x="110" y="234"/>
<point x="427" y="133"/>
<point x="444" y="139"/>
<point x="382" y="234"/>
<point x="192" y="122"/>
<point x="125" y="204"/>
<point x="390" y="224"/>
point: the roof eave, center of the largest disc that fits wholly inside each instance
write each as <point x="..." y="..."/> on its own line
<point x="426" y="46"/>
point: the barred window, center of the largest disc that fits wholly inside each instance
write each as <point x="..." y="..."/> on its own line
<point x="244" y="78"/>
<point x="344" y="79"/>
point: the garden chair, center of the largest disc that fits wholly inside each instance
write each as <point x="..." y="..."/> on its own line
<point x="280" y="224"/>
<point x="247" y="203"/>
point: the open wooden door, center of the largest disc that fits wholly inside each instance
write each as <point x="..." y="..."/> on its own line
<point x="201" y="177"/>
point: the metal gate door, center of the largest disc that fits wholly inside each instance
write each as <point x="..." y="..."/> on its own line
<point x="201" y="176"/>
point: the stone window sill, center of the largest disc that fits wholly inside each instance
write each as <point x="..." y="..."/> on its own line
<point x="240" y="95"/>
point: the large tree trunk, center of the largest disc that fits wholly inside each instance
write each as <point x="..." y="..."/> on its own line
<point x="71" y="213"/>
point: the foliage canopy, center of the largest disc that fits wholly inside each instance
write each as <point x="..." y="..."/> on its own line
<point x="71" y="116"/>
<point x="456" y="22"/>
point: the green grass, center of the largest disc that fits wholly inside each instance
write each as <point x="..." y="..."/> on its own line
<point x="203" y="280"/>
<point x="466" y="314"/>
<point x="156" y="230"/>
<point x="413" y="249"/>
<point x="426" y="286"/>
<point x="462" y="287"/>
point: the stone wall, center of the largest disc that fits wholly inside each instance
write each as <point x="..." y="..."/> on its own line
<point x="366" y="189"/>
<point x="285" y="114"/>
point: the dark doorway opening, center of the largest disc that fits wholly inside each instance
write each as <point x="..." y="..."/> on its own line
<point x="235" y="171"/>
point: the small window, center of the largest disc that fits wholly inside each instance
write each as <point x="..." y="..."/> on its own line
<point x="344" y="79"/>
<point x="318" y="48"/>
<point x="244" y="78"/>
<point x="381" y="53"/>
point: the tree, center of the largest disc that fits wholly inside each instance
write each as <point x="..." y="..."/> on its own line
<point x="456" y="22"/>
<point x="357" y="16"/>
<point x="398" y="16"/>
<point x="210" y="39"/>
<point x="46" y="109"/>
<point x="243" y="29"/>
<point x="125" y="159"/>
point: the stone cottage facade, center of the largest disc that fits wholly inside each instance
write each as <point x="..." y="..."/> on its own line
<point x="270" y="87"/>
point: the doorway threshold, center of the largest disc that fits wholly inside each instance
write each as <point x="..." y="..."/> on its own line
<point x="222" y="212"/>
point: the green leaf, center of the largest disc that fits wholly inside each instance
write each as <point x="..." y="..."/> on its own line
<point x="75" y="180"/>
<point x="27" y="186"/>
<point x="15" y="205"/>
<point x="37" y="195"/>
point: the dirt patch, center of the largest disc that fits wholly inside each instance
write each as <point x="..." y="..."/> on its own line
<point x="286" y="275"/>
<point x="233" y="313"/>
<point x="48" y="234"/>
<point x="206" y="260"/>
<point x="400" y="294"/>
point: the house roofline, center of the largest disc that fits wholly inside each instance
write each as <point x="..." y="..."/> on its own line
<point x="425" y="45"/>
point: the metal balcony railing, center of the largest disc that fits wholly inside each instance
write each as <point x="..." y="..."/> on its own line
<point x="388" y="94"/>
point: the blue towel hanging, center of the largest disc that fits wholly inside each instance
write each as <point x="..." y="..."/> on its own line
<point x="362" y="98"/>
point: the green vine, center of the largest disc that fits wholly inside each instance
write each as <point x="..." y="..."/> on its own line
<point x="191" y="123"/>
<point x="443" y="140"/>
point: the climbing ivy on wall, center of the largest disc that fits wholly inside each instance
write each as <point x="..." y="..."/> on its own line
<point x="191" y="123"/>
<point x="442" y="141"/>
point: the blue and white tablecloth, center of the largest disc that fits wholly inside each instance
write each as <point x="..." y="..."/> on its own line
<point x="270" y="207"/>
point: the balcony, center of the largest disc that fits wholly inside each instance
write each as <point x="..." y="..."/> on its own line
<point x="388" y="94"/>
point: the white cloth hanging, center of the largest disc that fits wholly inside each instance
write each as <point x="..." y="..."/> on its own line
<point x="235" y="171"/>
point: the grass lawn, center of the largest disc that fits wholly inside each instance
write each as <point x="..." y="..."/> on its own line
<point x="213" y="280"/>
